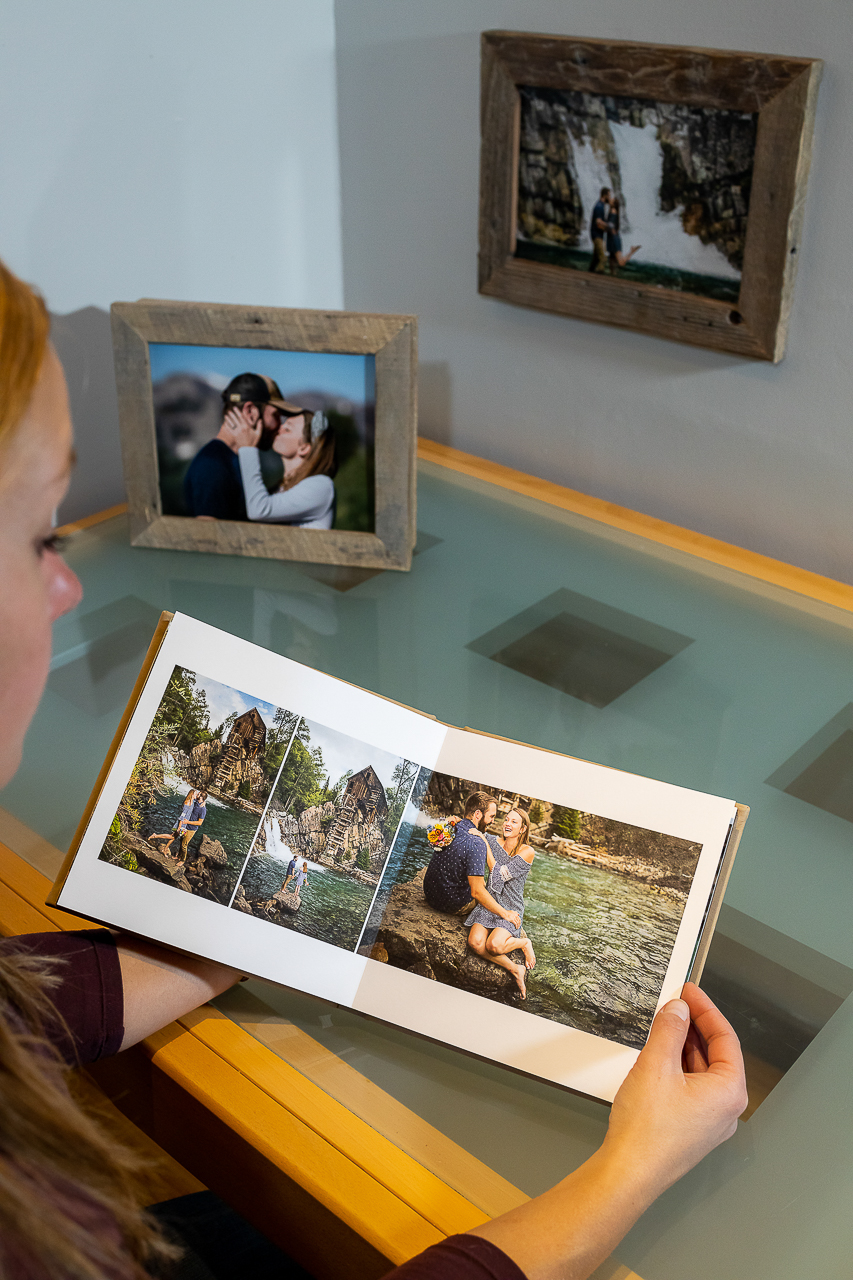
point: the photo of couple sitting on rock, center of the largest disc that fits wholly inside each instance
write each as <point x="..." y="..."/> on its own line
<point x="566" y="914"/>
<point x="192" y="805"/>
<point x="234" y="447"/>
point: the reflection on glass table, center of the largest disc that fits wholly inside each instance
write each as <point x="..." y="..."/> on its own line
<point x="522" y="620"/>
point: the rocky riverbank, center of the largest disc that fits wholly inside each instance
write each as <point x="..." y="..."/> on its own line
<point x="658" y="878"/>
<point x="206" y="872"/>
<point x="415" y="937"/>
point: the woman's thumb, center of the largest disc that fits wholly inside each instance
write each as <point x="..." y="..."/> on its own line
<point x="669" y="1032"/>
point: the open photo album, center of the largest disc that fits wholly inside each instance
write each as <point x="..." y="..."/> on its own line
<point x="518" y="904"/>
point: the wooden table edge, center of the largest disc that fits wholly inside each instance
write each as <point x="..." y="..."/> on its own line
<point x="725" y="555"/>
<point x="176" y="1050"/>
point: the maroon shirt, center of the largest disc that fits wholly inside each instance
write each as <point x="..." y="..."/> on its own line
<point x="459" y="1258"/>
<point x="91" y="1001"/>
<point x="89" y="996"/>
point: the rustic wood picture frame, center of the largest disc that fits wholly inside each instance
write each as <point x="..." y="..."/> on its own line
<point x="391" y="339"/>
<point x="783" y="91"/>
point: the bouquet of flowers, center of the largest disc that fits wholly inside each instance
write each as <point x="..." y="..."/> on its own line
<point x="442" y="832"/>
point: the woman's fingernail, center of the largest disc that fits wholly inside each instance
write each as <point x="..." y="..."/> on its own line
<point x="680" y="1008"/>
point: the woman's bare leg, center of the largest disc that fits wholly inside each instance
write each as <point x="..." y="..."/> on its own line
<point x="477" y="936"/>
<point x="493" y="953"/>
<point x="167" y="847"/>
<point x="624" y="258"/>
<point x="501" y="943"/>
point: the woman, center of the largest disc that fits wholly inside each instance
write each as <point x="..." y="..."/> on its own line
<point x="66" y="1204"/>
<point x="299" y="876"/>
<point x="306" y="444"/>
<point x="615" y="256"/>
<point x="180" y="824"/>
<point x="509" y="859"/>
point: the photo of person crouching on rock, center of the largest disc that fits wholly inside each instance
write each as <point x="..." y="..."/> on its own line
<point x="509" y="859"/>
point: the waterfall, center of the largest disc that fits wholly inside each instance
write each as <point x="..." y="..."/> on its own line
<point x="278" y="849"/>
<point x="664" y="240"/>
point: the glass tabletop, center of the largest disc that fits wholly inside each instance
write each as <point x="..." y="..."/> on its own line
<point x="525" y="621"/>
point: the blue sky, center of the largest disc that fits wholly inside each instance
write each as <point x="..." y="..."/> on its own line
<point x="340" y="752"/>
<point x="347" y="376"/>
<point x="223" y="700"/>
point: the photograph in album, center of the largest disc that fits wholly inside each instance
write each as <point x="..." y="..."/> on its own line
<point x="600" y="904"/>
<point x="325" y="837"/>
<point x="192" y="805"/>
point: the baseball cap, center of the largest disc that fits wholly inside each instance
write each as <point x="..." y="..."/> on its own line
<point x="246" y="387"/>
<point x="276" y="398"/>
<point x="257" y="388"/>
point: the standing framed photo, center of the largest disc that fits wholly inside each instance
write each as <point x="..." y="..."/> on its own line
<point x="647" y="186"/>
<point x="269" y="431"/>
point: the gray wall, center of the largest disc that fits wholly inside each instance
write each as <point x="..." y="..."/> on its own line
<point x="159" y="149"/>
<point x="755" y="454"/>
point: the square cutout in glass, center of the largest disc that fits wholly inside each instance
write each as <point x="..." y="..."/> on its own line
<point x="582" y="647"/>
<point x="821" y="772"/>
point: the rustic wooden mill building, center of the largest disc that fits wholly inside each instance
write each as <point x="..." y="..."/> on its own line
<point x="363" y="801"/>
<point x="245" y="742"/>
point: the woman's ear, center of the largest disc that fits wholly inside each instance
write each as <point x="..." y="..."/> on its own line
<point x="304" y="449"/>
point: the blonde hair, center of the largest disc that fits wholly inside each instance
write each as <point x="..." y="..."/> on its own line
<point x="321" y="461"/>
<point x="24" y="328"/>
<point x="67" y="1198"/>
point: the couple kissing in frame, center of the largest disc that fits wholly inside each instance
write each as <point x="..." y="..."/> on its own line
<point x="225" y="481"/>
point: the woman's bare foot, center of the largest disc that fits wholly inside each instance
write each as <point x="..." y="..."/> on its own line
<point x="520" y="974"/>
<point x="529" y="953"/>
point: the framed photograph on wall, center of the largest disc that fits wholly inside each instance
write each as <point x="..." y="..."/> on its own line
<point x="269" y="431"/>
<point x="647" y="186"/>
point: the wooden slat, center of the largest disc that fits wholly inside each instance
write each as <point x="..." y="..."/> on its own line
<point x="17" y="915"/>
<point x="384" y="1195"/>
<point x="335" y="1123"/>
<point x="725" y="554"/>
<point x="405" y="1128"/>
<point x="376" y="1214"/>
<point x="86" y="522"/>
<point x="25" y="880"/>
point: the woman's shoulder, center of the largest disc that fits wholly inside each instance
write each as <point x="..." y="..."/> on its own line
<point x="527" y="852"/>
<point x="321" y="485"/>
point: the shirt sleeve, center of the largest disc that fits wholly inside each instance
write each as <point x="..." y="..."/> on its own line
<point x="308" y="500"/>
<point x="475" y="854"/>
<point x="460" y="1257"/>
<point x="89" y="998"/>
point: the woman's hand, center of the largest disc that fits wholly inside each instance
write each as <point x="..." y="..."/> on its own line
<point x="242" y="433"/>
<point x="683" y="1095"/>
<point x="681" y="1099"/>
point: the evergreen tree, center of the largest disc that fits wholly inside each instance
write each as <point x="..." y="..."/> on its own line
<point x="224" y="729"/>
<point x="397" y="794"/>
<point x="567" y="822"/>
<point x="184" y="708"/>
<point x="301" y="783"/>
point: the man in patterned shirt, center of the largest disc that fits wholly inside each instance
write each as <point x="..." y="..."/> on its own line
<point x="455" y="879"/>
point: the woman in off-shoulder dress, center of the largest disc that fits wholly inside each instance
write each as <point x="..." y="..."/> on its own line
<point x="509" y="859"/>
